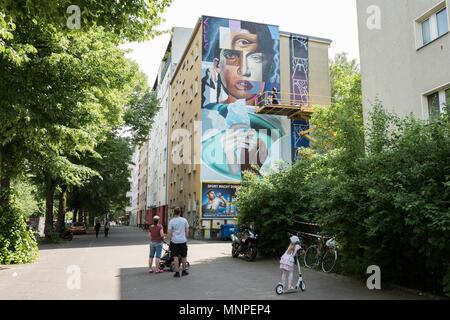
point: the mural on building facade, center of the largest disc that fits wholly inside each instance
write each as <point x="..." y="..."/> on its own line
<point x="298" y="46"/>
<point x="299" y="71"/>
<point x="219" y="200"/>
<point x="240" y="60"/>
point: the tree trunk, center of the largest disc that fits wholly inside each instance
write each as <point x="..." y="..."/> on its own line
<point x="62" y="209"/>
<point x="74" y="218"/>
<point x="86" y="218"/>
<point x="81" y="215"/>
<point x="50" y="185"/>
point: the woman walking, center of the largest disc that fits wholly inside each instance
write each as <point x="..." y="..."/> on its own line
<point x="107" y="225"/>
<point x="156" y="234"/>
<point x="97" y="227"/>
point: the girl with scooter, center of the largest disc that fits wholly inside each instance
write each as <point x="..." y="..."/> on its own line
<point x="287" y="262"/>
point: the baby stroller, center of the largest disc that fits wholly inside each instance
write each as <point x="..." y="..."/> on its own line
<point x="300" y="285"/>
<point x="166" y="262"/>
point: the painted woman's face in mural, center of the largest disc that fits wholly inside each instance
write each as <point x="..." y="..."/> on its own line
<point x="241" y="67"/>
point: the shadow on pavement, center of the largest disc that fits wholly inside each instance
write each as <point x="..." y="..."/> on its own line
<point x="118" y="236"/>
<point x="215" y="278"/>
<point x="226" y="278"/>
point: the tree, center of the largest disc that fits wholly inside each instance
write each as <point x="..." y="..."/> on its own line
<point x="132" y="20"/>
<point x="341" y="126"/>
<point x="107" y="192"/>
<point x="62" y="90"/>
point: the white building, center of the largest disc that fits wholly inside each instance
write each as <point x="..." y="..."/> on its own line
<point x="157" y="203"/>
<point x="133" y="194"/>
<point x="405" y="55"/>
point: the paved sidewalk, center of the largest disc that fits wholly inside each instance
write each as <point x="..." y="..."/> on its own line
<point x="116" y="268"/>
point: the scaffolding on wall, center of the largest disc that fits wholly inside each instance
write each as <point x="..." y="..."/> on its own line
<point x="293" y="106"/>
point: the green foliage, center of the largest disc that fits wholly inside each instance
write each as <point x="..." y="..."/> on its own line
<point x="131" y="20"/>
<point x="340" y="126"/>
<point x="446" y="283"/>
<point x="52" y="237"/>
<point x="28" y="197"/>
<point x="107" y="192"/>
<point x="63" y="91"/>
<point x="17" y="243"/>
<point x="386" y="206"/>
<point x="139" y="115"/>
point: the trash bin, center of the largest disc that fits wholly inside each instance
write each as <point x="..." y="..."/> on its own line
<point x="226" y="230"/>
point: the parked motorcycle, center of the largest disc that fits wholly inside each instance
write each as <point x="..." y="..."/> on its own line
<point x="245" y="242"/>
<point x="66" y="235"/>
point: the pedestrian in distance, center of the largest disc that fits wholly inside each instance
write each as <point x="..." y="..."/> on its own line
<point x="156" y="234"/>
<point x="97" y="227"/>
<point x="107" y="226"/>
<point x="178" y="232"/>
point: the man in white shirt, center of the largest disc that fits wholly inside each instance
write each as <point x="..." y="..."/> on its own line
<point x="178" y="232"/>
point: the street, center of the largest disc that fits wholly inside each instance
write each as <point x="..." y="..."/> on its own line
<point x="116" y="268"/>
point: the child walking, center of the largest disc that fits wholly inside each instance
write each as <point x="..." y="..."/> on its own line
<point x="287" y="263"/>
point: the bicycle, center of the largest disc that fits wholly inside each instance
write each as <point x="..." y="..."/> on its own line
<point x="324" y="254"/>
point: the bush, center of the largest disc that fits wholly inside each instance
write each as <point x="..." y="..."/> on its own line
<point x="388" y="206"/>
<point x="52" y="237"/>
<point x="17" y="243"/>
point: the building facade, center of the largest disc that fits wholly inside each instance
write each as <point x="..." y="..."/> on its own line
<point x="133" y="194"/>
<point x="157" y="146"/>
<point x="405" y="54"/>
<point x="227" y="70"/>
<point x="142" y="185"/>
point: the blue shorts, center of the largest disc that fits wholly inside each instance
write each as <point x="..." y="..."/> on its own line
<point x="156" y="250"/>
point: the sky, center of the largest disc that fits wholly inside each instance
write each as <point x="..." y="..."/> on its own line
<point x="331" y="19"/>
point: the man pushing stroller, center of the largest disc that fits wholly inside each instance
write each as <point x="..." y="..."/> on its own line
<point x="178" y="232"/>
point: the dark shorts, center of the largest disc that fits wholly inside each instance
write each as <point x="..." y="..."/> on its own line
<point x="179" y="249"/>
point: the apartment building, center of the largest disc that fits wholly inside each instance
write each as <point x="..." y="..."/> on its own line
<point x="133" y="194"/>
<point x="141" y="218"/>
<point x="220" y="124"/>
<point x="405" y="55"/>
<point x="157" y="145"/>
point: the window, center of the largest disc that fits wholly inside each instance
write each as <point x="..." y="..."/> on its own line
<point x="197" y="50"/>
<point x="433" y="105"/>
<point x="432" y="25"/>
<point x="442" y="22"/>
<point x="196" y="87"/>
<point x="426" y="32"/>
